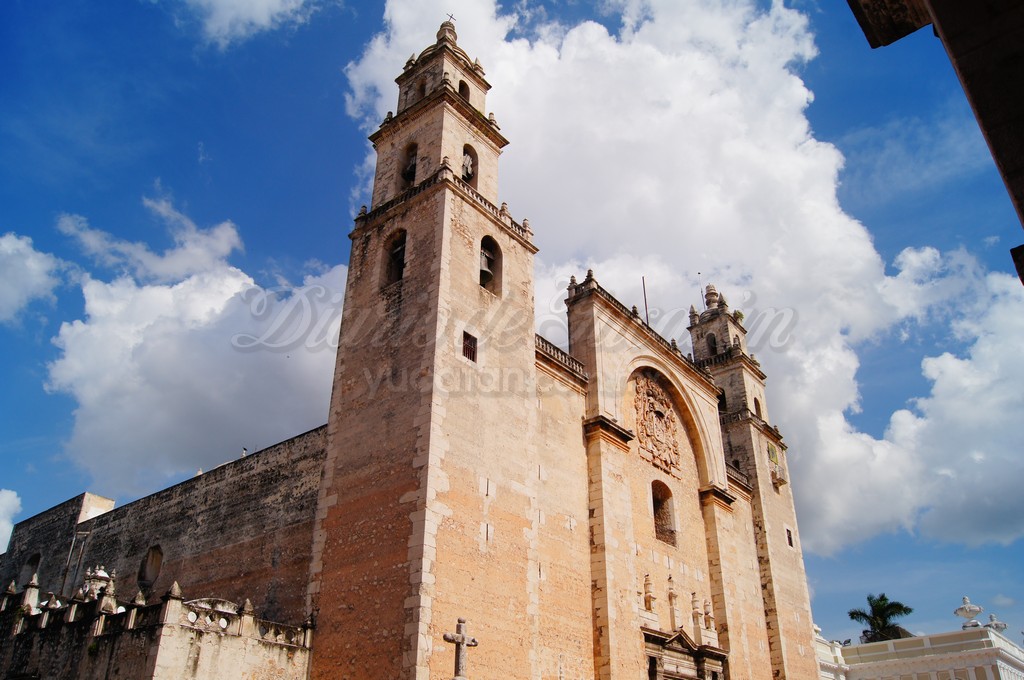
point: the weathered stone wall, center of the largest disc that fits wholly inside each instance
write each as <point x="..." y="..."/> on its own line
<point x="564" y="637"/>
<point x="486" y="451"/>
<point x="49" y="646"/>
<point x="173" y="640"/>
<point x="243" y="529"/>
<point x="48" y="536"/>
<point x="372" y="540"/>
<point x="736" y="582"/>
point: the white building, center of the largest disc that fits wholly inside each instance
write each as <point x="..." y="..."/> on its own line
<point x="974" y="653"/>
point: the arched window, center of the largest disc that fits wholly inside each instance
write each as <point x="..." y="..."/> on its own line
<point x="149" y="569"/>
<point x="470" y="165"/>
<point x="490" y="265"/>
<point x="757" y="407"/>
<point x="464" y="90"/>
<point x="664" y="516"/>
<point x="29" y="569"/>
<point x="407" y="165"/>
<point x="421" y="89"/>
<point x="394" y="253"/>
<point x="712" y="344"/>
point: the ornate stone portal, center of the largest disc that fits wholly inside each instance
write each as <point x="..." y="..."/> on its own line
<point x="656" y="422"/>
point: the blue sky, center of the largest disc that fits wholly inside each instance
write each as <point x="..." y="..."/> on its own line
<point x="177" y="175"/>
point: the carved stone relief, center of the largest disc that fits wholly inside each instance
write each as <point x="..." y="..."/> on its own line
<point x="656" y="422"/>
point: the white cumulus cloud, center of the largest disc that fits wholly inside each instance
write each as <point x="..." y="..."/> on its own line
<point x="196" y="250"/>
<point x="180" y="366"/>
<point x="26" y="274"/>
<point x="228" y="21"/>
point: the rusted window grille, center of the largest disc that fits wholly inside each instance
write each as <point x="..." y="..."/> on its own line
<point x="468" y="346"/>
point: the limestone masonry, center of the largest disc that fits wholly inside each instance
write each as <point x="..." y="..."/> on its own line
<point x="617" y="510"/>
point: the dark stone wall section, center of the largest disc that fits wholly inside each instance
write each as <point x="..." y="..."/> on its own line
<point x="242" y="530"/>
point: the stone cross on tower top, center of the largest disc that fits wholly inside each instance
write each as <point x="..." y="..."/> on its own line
<point x="461" y="641"/>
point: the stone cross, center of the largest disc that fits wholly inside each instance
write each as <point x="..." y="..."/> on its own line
<point x="461" y="641"/>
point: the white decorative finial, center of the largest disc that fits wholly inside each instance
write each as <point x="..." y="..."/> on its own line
<point x="995" y="624"/>
<point x="968" y="611"/>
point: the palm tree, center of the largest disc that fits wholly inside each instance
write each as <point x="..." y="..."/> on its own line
<point x="880" y="618"/>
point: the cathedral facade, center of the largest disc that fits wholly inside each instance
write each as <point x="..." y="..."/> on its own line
<point x="480" y="499"/>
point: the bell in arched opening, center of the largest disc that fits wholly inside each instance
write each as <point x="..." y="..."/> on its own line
<point x="486" y="266"/>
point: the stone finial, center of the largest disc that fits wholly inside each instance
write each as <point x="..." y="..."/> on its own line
<point x="672" y="598"/>
<point x="12" y="588"/>
<point x="410" y="62"/>
<point x="675" y="346"/>
<point x="504" y="209"/>
<point x="722" y="304"/>
<point x="362" y="210"/>
<point x="140" y="599"/>
<point x="247" y="607"/>
<point x="710" y="296"/>
<point x="526" y="226"/>
<point x="694" y="317"/>
<point x="995" y="624"/>
<point x="590" y="275"/>
<point x="174" y="591"/>
<point x="649" y="597"/>
<point x="53" y="603"/>
<point x="572" y="284"/>
<point x="447" y="33"/>
<point x="30" y="596"/>
<point x="709" y="618"/>
<point x="493" y="121"/>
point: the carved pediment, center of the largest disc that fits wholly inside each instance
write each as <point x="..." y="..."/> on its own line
<point x="678" y="657"/>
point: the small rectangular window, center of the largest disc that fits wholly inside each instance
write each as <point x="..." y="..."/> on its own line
<point x="468" y="346"/>
<point x="789" y="537"/>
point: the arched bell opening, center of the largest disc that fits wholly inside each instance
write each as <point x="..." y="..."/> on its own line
<point x="490" y="265"/>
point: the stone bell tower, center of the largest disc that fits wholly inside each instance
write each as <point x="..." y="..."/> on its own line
<point x="424" y="510"/>
<point x="755" y="448"/>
